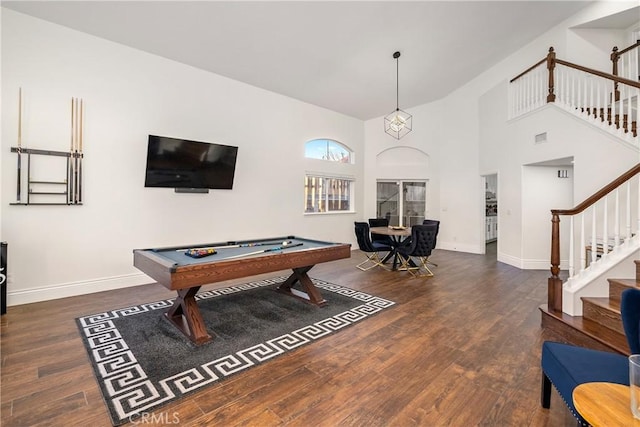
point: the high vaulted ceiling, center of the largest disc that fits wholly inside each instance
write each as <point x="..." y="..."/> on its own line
<point x="334" y="54"/>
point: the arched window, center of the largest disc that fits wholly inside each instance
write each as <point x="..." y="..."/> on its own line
<point x="327" y="149"/>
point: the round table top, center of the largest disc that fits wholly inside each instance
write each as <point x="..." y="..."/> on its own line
<point x="604" y="404"/>
<point x="391" y="231"/>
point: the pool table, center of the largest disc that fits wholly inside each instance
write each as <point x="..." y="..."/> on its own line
<point x="175" y="270"/>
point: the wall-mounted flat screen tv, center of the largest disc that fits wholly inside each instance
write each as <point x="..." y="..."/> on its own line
<point x="180" y="163"/>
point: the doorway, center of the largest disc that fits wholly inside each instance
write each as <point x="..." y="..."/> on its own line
<point x="491" y="214"/>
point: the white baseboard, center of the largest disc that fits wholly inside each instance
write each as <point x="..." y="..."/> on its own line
<point x="530" y="264"/>
<point x="536" y="264"/>
<point x="510" y="260"/>
<point x="64" y="290"/>
<point x="458" y="247"/>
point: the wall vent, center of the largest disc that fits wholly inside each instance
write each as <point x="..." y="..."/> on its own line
<point x="541" y="137"/>
<point x="563" y="173"/>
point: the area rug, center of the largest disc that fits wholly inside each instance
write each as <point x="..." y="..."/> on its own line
<point x="142" y="362"/>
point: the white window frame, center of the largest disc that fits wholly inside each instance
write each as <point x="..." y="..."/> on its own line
<point x="311" y="208"/>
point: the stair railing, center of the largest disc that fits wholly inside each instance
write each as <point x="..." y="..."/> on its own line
<point x="625" y="62"/>
<point x="580" y="90"/>
<point x="596" y="234"/>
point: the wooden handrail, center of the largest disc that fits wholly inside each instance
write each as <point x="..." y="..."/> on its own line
<point x="527" y="70"/>
<point x="600" y="193"/>
<point x="554" y="283"/>
<point x="599" y="73"/>
<point x="552" y="61"/>
<point x="626" y="49"/>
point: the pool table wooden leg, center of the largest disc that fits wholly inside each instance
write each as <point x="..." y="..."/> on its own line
<point x="185" y="315"/>
<point x="312" y="294"/>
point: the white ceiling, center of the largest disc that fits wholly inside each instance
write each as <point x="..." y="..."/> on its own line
<point x="334" y="54"/>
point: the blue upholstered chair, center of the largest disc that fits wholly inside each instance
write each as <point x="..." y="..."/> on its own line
<point x="567" y="366"/>
<point x="371" y="249"/>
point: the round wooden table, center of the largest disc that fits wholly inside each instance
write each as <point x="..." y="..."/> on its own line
<point x="604" y="404"/>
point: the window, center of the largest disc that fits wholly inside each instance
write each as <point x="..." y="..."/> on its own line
<point x="402" y="202"/>
<point x="326" y="194"/>
<point x="327" y="149"/>
<point x="328" y="183"/>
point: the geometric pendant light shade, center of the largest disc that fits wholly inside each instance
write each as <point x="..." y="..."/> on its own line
<point x="398" y="123"/>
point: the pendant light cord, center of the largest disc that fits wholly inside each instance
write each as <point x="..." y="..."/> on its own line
<point x="397" y="86"/>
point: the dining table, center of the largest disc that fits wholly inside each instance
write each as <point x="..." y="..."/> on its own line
<point x="399" y="235"/>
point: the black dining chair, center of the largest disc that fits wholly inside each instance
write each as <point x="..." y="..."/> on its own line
<point x="435" y="242"/>
<point x="422" y="243"/>
<point x="380" y="238"/>
<point x="371" y="249"/>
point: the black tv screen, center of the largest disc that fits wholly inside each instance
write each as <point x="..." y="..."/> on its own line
<point x="180" y="163"/>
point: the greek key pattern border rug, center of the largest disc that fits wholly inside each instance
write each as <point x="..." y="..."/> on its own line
<point x="128" y="391"/>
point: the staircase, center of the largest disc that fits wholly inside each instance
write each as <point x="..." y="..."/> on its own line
<point x="608" y="221"/>
<point x="600" y="326"/>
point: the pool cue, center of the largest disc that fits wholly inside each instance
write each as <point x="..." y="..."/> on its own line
<point x="278" y="248"/>
<point x="70" y="172"/>
<point x="19" y="150"/>
<point x="80" y="138"/>
<point x="243" y="245"/>
<point x="75" y="157"/>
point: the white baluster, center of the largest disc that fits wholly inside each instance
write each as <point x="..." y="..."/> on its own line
<point x="605" y="234"/>
<point x="579" y="80"/>
<point x="634" y="70"/>
<point x="543" y="92"/>
<point x="571" y="248"/>
<point x="512" y="96"/>
<point x="613" y="109"/>
<point x="516" y="98"/>
<point x="592" y="103"/>
<point x="594" y="241"/>
<point x="629" y="112"/>
<point x="637" y="97"/>
<point x="628" y="222"/>
<point x="616" y="226"/>
<point x="573" y="91"/>
<point x="564" y="89"/>
<point x="599" y="101"/>
<point x="529" y="92"/>
<point x="583" y="258"/>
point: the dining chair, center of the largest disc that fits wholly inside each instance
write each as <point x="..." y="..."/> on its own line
<point x="380" y="238"/>
<point x="371" y="249"/>
<point x="422" y="243"/>
<point x="435" y="242"/>
<point x="565" y="366"/>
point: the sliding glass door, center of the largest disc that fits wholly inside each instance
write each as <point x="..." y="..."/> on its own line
<point x="403" y="202"/>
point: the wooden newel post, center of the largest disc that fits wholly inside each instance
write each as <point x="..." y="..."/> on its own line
<point x="551" y="65"/>
<point x="614" y="59"/>
<point x="554" y="289"/>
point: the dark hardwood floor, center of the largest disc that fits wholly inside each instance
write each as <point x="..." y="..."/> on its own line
<point x="459" y="349"/>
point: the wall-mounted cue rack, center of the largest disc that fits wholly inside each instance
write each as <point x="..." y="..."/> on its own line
<point x="65" y="189"/>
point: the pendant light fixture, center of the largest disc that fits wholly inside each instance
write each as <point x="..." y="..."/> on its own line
<point x="398" y="123"/>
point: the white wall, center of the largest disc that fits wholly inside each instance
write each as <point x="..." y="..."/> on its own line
<point x="543" y="190"/>
<point x="56" y="251"/>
